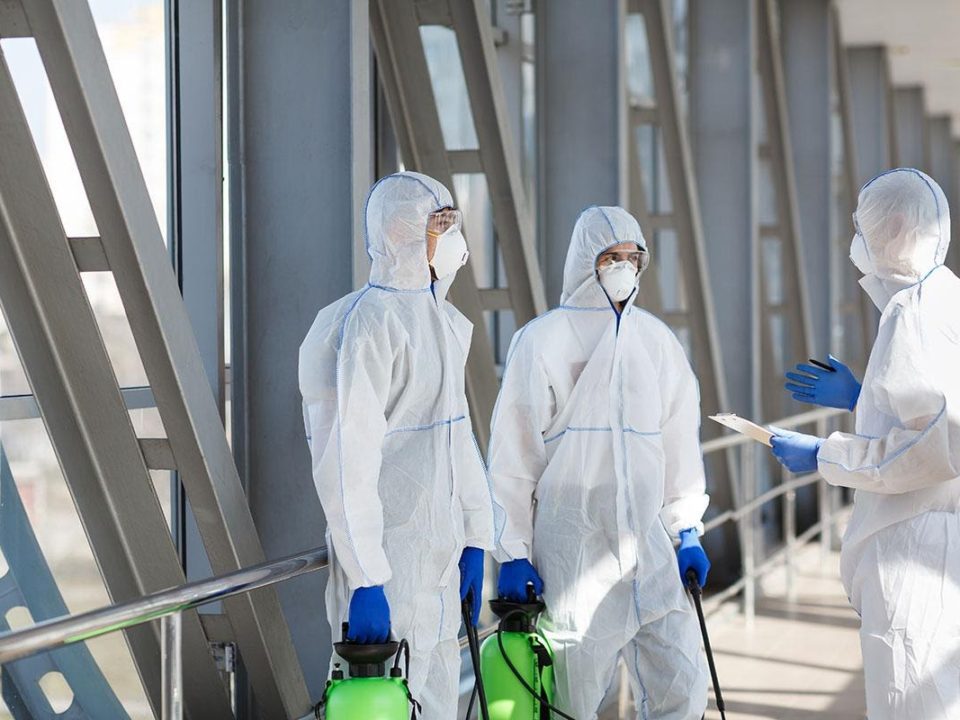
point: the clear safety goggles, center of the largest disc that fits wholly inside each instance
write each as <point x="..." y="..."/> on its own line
<point x="638" y="258"/>
<point x="443" y="220"/>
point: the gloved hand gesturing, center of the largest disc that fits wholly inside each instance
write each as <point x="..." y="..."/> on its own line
<point x="691" y="556"/>
<point x="369" y="620"/>
<point x="514" y="576"/>
<point x="795" y="451"/>
<point x="817" y="386"/>
<point x="471" y="578"/>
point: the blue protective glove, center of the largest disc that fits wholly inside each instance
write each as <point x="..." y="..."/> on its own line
<point x="691" y="556"/>
<point x="369" y="616"/>
<point x="514" y="576"/>
<point x="796" y="451"/>
<point x="814" y="385"/>
<point x="471" y="579"/>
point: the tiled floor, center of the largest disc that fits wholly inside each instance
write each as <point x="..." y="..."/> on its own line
<point x="799" y="659"/>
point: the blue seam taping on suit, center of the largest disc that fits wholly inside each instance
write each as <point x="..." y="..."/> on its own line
<point x="430" y="426"/>
<point x="896" y="454"/>
<point x="413" y="291"/>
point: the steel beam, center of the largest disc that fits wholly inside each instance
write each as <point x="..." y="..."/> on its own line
<point x="62" y="353"/>
<point x="13" y="22"/>
<point x="723" y="83"/>
<point x="79" y="77"/>
<point x="913" y="145"/>
<point x="871" y="111"/>
<point x="939" y="132"/>
<point x="953" y="257"/>
<point x="796" y="310"/>
<point x="848" y="291"/>
<point x="807" y="43"/>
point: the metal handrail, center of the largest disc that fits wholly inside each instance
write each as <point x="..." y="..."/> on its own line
<point x="56" y="633"/>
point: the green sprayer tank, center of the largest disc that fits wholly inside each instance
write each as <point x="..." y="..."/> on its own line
<point x="370" y="692"/>
<point x="531" y="656"/>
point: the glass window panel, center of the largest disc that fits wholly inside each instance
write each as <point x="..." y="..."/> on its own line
<point x="639" y="74"/>
<point x="132" y="34"/>
<point x="767" y="193"/>
<point x="13" y="380"/>
<point x="473" y="198"/>
<point x="449" y="87"/>
<point x="48" y="505"/>
<point x="773" y="270"/>
<point x="647" y="151"/>
<point x="115" y="329"/>
<point x="665" y="253"/>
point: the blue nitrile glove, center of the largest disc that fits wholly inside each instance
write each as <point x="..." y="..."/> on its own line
<point x="814" y="385"/>
<point x="690" y="555"/>
<point x="369" y="616"/>
<point x="795" y="451"/>
<point x="514" y="576"/>
<point x="471" y="578"/>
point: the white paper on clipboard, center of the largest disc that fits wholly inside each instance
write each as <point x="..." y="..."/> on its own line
<point x="744" y="427"/>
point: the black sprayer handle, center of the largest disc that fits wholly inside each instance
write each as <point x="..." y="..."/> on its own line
<point x="473" y="641"/>
<point x="693" y="584"/>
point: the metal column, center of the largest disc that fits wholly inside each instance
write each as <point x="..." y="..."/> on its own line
<point x="723" y="84"/>
<point x="300" y="128"/>
<point x="852" y="302"/>
<point x="871" y="111"/>
<point x="953" y="257"/>
<point x="910" y="108"/>
<point x="807" y="44"/>
<point x="941" y="156"/>
<point x="781" y="241"/>
<point x="582" y="113"/>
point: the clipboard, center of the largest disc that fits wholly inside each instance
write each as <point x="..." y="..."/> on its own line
<point x="744" y="427"/>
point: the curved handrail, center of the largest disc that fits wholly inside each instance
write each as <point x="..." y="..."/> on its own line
<point x="51" y="634"/>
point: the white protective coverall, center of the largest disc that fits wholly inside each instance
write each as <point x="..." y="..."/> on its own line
<point x="395" y="462"/>
<point x="901" y="552"/>
<point x="595" y="462"/>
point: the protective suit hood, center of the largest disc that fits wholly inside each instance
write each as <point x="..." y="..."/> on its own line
<point x="902" y="232"/>
<point x="395" y="221"/>
<point x="597" y="229"/>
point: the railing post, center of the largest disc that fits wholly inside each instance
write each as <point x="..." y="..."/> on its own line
<point x="790" y="535"/>
<point x="748" y="544"/>
<point x="825" y="499"/>
<point x="172" y="669"/>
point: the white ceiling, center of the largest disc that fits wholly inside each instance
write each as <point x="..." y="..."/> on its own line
<point x="923" y="38"/>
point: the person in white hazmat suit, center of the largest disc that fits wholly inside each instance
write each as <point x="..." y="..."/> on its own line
<point x="900" y="560"/>
<point x="402" y="483"/>
<point x="595" y="463"/>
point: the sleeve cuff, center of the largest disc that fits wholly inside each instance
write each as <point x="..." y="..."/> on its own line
<point x="511" y="550"/>
<point x="685" y="513"/>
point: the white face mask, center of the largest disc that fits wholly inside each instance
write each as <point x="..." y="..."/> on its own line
<point x="618" y="280"/>
<point x="451" y="253"/>
<point x="860" y="256"/>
